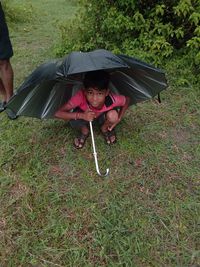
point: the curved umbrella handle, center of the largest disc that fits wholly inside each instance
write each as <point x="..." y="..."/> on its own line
<point x="95" y="153"/>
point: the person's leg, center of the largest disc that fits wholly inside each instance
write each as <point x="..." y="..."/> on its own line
<point x="82" y="127"/>
<point x="110" y="119"/>
<point x="2" y="91"/>
<point x="6" y="74"/>
<point x="3" y="96"/>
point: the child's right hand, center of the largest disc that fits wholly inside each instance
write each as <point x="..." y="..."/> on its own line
<point x="89" y="115"/>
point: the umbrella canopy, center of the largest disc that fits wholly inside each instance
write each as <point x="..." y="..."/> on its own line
<point x="53" y="83"/>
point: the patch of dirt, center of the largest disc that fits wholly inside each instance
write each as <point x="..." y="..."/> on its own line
<point x="2" y="225"/>
<point x="180" y="136"/>
<point x="18" y="190"/>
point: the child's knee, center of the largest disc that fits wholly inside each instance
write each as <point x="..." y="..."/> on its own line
<point x="112" y="116"/>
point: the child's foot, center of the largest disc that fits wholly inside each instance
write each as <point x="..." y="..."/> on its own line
<point x="110" y="137"/>
<point x="79" y="141"/>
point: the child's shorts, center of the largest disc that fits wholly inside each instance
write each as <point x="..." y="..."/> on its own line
<point x="80" y="123"/>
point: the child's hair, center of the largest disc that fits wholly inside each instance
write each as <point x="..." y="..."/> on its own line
<point x="99" y="79"/>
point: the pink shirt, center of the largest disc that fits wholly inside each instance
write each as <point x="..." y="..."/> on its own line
<point x="111" y="101"/>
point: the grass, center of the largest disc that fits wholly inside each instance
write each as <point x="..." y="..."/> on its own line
<point x="56" y="211"/>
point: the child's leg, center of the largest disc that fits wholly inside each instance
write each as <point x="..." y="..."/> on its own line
<point x="79" y="141"/>
<point x="83" y="129"/>
<point x="111" y="118"/>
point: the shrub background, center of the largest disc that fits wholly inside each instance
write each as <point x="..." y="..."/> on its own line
<point x="151" y="30"/>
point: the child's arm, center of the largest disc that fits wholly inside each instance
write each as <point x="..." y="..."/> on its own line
<point x="121" y="112"/>
<point x="65" y="114"/>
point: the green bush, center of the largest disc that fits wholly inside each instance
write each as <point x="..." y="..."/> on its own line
<point x="17" y="13"/>
<point x="153" y="29"/>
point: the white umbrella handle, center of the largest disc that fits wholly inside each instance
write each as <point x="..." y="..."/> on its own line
<point x="95" y="153"/>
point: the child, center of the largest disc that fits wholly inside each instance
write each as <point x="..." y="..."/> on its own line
<point x="94" y="103"/>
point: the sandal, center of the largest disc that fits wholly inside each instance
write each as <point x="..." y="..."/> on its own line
<point x="110" y="137"/>
<point x="79" y="141"/>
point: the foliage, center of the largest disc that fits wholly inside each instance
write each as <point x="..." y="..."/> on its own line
<point x="16" y="13"/>
<point x="154" y="29"/>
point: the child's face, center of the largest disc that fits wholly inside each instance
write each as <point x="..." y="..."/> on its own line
<point x="95" y="97"/>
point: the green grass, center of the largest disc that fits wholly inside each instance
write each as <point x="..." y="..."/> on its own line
<point x="56" y="211"/>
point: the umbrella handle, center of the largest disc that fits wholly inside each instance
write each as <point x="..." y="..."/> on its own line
<point x="95" y="153"/>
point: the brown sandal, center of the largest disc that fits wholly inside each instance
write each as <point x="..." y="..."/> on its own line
<point x="108" y="136"/>
<point x="79" y="141"/>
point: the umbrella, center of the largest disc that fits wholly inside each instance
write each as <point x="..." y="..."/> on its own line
<point x="53" y="83"/>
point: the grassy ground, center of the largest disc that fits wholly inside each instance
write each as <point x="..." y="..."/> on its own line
<point x="55" y="210"/>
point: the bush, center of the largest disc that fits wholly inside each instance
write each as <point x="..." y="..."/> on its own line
<point x="153" y="29"/>
<point x="17" y="13"/>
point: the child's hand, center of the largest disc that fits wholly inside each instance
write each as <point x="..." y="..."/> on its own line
<point x="89" y="115"/>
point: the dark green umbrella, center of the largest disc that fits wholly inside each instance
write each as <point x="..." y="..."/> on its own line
<point x="53" y="83"/>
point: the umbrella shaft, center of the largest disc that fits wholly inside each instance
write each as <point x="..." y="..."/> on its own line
<point x="95" y="153"/>
<point x="93" y="143"/>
